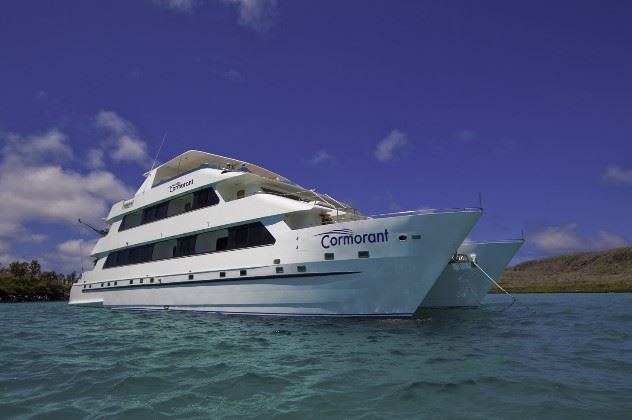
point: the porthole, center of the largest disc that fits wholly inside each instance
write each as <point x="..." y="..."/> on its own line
<point x="402" y="237"/>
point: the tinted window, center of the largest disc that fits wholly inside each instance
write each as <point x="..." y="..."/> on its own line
<point x="253" y="234"/>
<point x="204" y="198"/>
<point x="186" y="246"/>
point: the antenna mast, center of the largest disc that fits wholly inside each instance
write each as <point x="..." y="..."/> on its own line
<point x="158" y="152"/>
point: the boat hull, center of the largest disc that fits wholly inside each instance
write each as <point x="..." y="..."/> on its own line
<point x="461" y="284"/>
<point x="390" y="280"/>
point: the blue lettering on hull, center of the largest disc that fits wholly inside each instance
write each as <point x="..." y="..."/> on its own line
<point x="340" y="237"/>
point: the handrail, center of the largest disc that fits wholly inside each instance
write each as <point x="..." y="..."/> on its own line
<point x="427" y="211"/>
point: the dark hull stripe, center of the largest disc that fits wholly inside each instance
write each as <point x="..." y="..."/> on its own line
<point x="275" y="314"/>
<point x="218" y="280"/>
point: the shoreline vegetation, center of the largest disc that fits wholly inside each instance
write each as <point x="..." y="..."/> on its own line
<point x="583" y="272"/>
<point x="26" y="282"/>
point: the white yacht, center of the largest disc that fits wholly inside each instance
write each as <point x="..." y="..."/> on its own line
<point x="462" y="283"/>
<point x="211" y="233"/>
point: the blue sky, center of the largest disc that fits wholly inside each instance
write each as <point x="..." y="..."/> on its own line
<point x="387" y="105"/>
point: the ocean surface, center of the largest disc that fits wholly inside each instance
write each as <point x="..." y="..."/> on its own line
<point x="570" y="358"/>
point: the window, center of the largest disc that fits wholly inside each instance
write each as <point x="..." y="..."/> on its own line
<point x="115" y="283"/>
<point x="363" y="254"/>
<point x="329" y="255"/>
<point x="151" y="280"/>
<point x="131" y="282"/>
<point x="182" y="204"/>
<point x="185" y="246"/>
<point x="416" y="236"/>
<point x="153" y="213"/>
<point x="279" y="270"/>
<point x="222" y="274"/>
<point x="190" y="276"/>
<point x="244" y="236"/>
<point x="276" y="261"/>
<point x="243" y="272"/>
<point x="301" y="269"/>
<point x="141" y="254"/>
<point x="204" y="198"/>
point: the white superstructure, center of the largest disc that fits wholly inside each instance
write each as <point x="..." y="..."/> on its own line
<point x="462" y="283"/>
<point x="210" y="233"/>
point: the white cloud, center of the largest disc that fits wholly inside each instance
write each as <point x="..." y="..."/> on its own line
<point x="185" y="6"/>
<point x="259" y="15"/>
<point x="72" y="255"/>
<point x="607" y="240"/>
<point x="126" y="145"/>
<point x="389" y="144"/>
<point x="558" y="239"/>
<point x="554" y="239"/>
<point x="47" y="147"/>
<point x="617" y="175"/>
<point x="321" y="157"/>
<point x="94" y="159"/>
<point x="35" y="188"/>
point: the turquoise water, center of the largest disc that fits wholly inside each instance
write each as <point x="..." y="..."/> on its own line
<point x="572" y="358"/>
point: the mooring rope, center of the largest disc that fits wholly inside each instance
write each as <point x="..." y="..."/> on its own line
<point x="515" y="299"/>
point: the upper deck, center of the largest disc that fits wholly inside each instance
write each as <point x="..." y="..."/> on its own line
<point x="172" y="178"/>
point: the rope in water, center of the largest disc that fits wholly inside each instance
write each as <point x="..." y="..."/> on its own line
<point x="515" y="299"/>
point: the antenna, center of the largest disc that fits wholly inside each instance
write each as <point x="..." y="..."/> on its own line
<point x="158" y="152"/>
<point x="480" y="200"/>
<point x="101" y="232"/>
<point x="81" y="253"/>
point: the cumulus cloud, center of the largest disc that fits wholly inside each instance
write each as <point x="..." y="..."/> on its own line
<point x="607" y="240"/>
<point x="616" y="175"/>
<point x="46" y="147"/>
<point x="94" y="159"/>
<point x="321" y="157"/>
<point x="553" y="239"/>
<point x="259" y="15"/>
<point x="126" y="146"/>
<point x="185" y="6"/>
<point x="36" y="187"/>
<point x="390" y="144"/>
<point x="558" y="239"/>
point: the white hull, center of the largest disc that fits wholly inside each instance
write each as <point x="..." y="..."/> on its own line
<point x="391" y="282"/>
<point x="463" y="285"/>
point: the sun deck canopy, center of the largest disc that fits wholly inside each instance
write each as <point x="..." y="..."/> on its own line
<point x="194" y="159"/>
